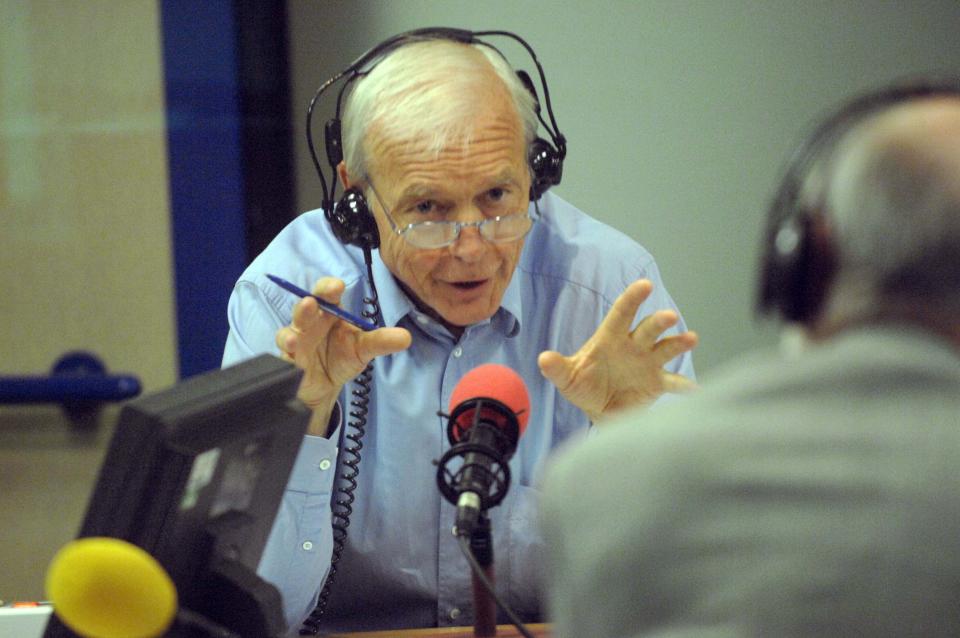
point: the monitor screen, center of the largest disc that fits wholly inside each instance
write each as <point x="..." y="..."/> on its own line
<point x="194" y="475"/>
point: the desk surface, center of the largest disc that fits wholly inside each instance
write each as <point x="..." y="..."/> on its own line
<point x="31" y="622"/>
<point x="503" y="631"/>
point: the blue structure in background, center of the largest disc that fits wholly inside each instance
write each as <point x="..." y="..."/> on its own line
<point x="206" y="172"/>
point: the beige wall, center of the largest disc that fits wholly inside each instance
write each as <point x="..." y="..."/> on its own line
<point x="85" y="257"/>
<point x="85" y="251"/>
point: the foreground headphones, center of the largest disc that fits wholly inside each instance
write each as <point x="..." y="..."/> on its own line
<point x="798" y="258"/>
<point x="350" y="217"/>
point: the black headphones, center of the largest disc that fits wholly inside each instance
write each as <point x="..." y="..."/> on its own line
<point x="350" y="217"/>
<point x="798" y="258"/>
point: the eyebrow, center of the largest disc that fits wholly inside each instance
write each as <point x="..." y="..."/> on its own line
<point x="505" y="176"/>
<point x="416" y="192"/>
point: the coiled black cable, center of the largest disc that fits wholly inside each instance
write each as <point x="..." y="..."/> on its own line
<point x="348" y="462"/>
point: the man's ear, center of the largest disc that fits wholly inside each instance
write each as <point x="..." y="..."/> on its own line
<point x="345" y="179"/>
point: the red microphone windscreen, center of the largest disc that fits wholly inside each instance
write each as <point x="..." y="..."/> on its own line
<point x="494" y="381"/>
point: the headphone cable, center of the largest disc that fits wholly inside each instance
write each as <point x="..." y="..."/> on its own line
<point x="348" y="462"/>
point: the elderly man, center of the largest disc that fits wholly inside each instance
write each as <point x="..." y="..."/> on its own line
<point x="437" y="137"/>
<point x="813" y="493"/>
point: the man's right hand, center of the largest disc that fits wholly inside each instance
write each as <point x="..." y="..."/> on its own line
<point x="330" y="351"/>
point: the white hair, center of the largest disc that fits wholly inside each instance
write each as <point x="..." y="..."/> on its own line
<point x="893" y="198"/>
<point x="428" y="90"/>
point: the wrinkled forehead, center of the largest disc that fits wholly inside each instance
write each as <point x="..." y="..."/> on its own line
<point x="489" y="129"/>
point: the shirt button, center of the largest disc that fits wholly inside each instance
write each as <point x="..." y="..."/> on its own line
<point x="457" y="352"/>
<point x="454" y="613"/>
<point x="325" y="464"/>
<point x="307" y="545"/>
<point x="422" y="320"/>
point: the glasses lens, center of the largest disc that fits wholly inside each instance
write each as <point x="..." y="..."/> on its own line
<point x="440" y="234"/>
<point x="431" y="234"/>
<point x="507" y="228"/>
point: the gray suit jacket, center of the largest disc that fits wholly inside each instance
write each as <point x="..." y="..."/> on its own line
<point x="816" y="496"/>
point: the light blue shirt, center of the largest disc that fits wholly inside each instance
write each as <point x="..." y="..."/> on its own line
<point x="402" y="566"/>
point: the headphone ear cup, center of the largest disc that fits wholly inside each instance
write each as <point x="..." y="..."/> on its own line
<point x="783" y="272"/>
<point x="798" y="267"/>
<point x="546" y="167"/>
<point x="352" y="222"/>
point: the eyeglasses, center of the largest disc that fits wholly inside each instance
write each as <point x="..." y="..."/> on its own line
<point x="438" y="234"/>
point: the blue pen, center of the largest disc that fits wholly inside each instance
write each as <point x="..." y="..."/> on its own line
<point x="326" y="306"/>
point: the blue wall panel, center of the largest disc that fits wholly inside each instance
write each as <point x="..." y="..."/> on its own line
<point x="206" y="172"/>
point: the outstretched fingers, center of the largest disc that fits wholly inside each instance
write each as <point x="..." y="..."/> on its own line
<point x="677" y="383"/>
<point x="624" y="309"/>
<point x="669" y="348"/>
<point x="648" y="332"/>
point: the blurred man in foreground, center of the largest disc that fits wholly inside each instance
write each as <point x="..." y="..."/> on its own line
<point x="815" y="494"/>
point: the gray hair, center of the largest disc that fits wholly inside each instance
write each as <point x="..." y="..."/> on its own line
<point x="891" y="188"/>
<point x="427" y="90"/>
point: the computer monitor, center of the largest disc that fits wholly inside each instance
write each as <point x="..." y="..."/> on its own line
<point x="194" y="475"/>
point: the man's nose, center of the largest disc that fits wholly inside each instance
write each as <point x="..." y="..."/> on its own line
<point x="470" y="244"/>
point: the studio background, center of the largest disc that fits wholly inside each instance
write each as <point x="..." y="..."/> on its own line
<point x="679" y="116"/>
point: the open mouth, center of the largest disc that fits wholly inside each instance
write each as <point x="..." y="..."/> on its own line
<point x="468" y="285"/>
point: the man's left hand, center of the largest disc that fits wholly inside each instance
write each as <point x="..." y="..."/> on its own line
<point x="618" y="368"/>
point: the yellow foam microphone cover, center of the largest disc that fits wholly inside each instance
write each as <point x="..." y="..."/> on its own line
<point x="108" y="588"/>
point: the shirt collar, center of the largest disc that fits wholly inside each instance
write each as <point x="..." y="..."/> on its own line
<point x="511" y="306"/>
<point x="395" y="304"/>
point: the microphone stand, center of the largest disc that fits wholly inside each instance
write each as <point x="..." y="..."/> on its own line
<point x="484" y="606"/>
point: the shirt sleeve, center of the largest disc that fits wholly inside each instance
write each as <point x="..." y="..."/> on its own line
<point x="253" y="324"/>
<point x="297" y="555"/>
